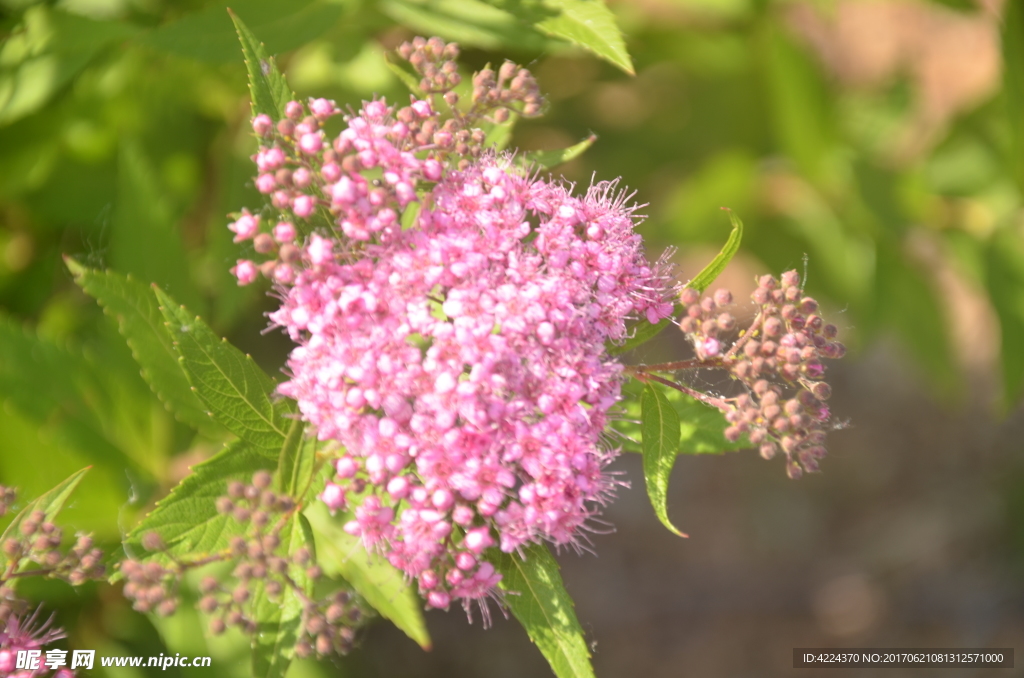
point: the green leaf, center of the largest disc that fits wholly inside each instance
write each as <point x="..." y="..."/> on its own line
<point x="45" y="52"/>
<point x="145" y="240"/>
<point x="50" y="503"/>
<point x="587" y="23"/>
<point x="406" y="77"/>
<point x="659" y="424"/>
<point x="469" y="22"/>
<point x="643" y="331"/>
<point x="702" y="427"/>
<point x="1013" y="84"/>
<point x="907" y="300"/>
<point x="297" y="465"/>
<point x="550" y="159"/>
<point x="208" y="34"/>
<point x="710" y="272"/>
<point x="277" y="621"/>
<point x="187" y="519"/>
<point x="63" y="392"/>
<point x="374" y="578"/>
<point x="799" y="100"/>
<point x="232" y="386"/>
<point x="134" y="307"/>
<point x="1004" y="277"/>
<point x="270" y="93"/>
<point x="538" y="599"/>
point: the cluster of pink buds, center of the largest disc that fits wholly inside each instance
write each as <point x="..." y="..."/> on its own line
<point x="778" y="358"/>
<point x="361" y="182"/>
<point x="328" y="625"/>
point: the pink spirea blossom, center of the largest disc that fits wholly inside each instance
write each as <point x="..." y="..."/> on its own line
<point x="27" y="633"/>
<point x="462" y="362"/>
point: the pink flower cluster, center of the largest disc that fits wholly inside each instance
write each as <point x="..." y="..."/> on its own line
<point x="460" y="362"/>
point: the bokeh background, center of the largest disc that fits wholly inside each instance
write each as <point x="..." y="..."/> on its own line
<point x="877" y="145"/>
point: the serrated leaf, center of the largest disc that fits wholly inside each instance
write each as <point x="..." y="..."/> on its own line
<point x="134" y="307"/>
<point x="643" y="331"/>
<point x="232" y="386"/>
<point x="50" y="503"/>
<point x="587" y="23"/>
<point x="707" y="276"/>
<point x="660" y="431"/>
<point x="297" y="464"/>
<point x="187" y="519"/>
<point x="277" y="621"/>
<point x="538" y="599"/>
<point x="550" y="159"/>
<point x="382" y="586"/>
<point x="270" y="93"/>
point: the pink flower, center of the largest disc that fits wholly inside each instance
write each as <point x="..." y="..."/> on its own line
<point x="284" y="232"/>
<point x="26" y="634"/>
<point x="495" y="423"/>
<point x="245" y="271"/>
<point x="245" y="227"/>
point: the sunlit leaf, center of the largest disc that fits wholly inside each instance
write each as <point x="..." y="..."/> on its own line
<point x="538" y="599"/>
<point x="187" y="519"/>
<point x="550" y="159"/>
<point x="267" y="87"/>
<point x="133" y="305"/>
<point x="710" y="272"/>
<point x="297" y="465"/>
<point x="278" y="619"/>
<point x="236" y="391"/>
<point x="659" y="425"/>
<point x="586" y="23"/>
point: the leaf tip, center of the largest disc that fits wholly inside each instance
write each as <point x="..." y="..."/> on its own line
<point x="77" y="269"/>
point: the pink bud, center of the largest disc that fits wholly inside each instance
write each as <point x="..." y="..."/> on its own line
<point x="245" y="271"/>
<point x="478" y="539"/>
<point x="284" y="232"/>
<point x="311" y="143"/>
<point x="303" y="206"/>
<point x="262" y="124"/>
<point x="265" y="183"/>
<point x="319" y="250"/>
<point x="331" y="172"/>
<point x="322" y="108"/>
<point x="333" y="496"/>
<point x="438" y="599"/>
<point x="422" y="108"/>
<point x="293" y="109"/>
<point x="432" y="169"/>
<point x="246" y="226"/>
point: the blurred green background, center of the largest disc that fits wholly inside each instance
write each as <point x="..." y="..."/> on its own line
<point x="877" y="145"/>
